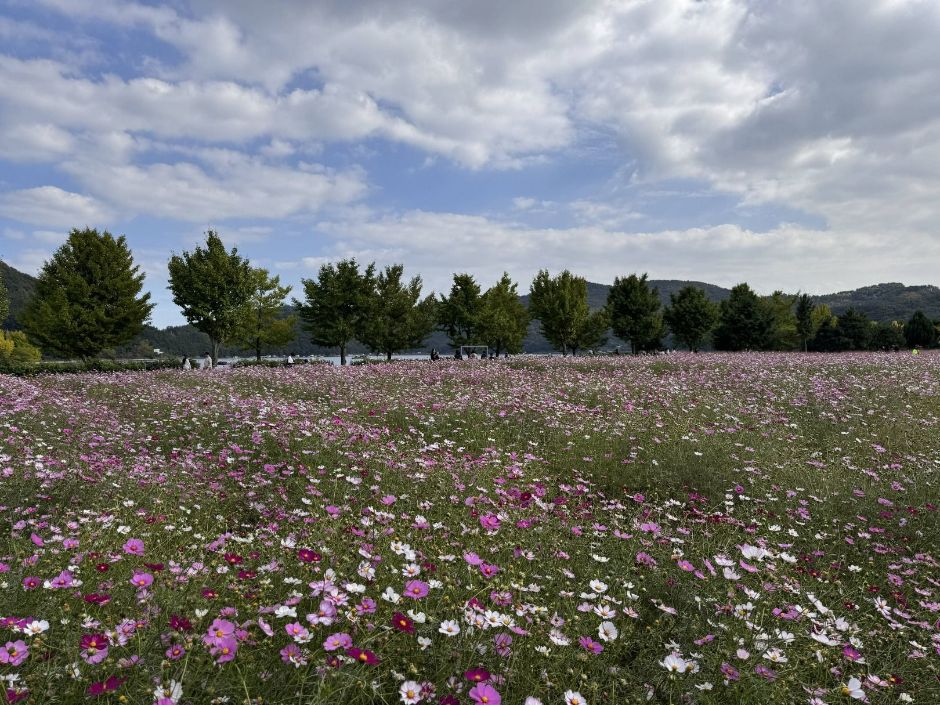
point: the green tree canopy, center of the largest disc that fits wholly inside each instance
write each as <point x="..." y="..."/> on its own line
<point x="691" y="316"/>
<point x="634" y="311"/>
<point x="744" y="322"/>
<point x="919" y="331"/>
<point x="561" y="307"/>
<point x="337" y="304"/>
<point x="87" y="297"/>
<point x="856" y="328"/>
<point x="398" y="319"/>
<point x="784" y="334"/>
<point x="458" y="313"/>
<point x="887" y="336"/>
<point x="263" y="323"/>
<point x="503" y="319"/>
<point x="805" y="325"/>
<point x="4" y="302"/>
<point x="212" y="287"/>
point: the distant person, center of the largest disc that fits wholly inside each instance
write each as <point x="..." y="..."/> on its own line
<point x="290" y="359"/>
<point x="457" y="355"/>
<point x="187" y="365"/>
<point x="434" y="355"/>
<point x="206" y="362"/>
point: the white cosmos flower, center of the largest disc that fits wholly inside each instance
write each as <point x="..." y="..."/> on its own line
<point x="391" y="596"/>
<point x="598" y="586"/>
<point x="573" y="697"/>
<point x="36" y="627"/>
<point x="410" y="692"/>
<point x="449" y="628"/>
<point x="173" y="691"/>
<point x="854" y="689"/>
<point x="607" y="631"/>
<point x="674" y="663"/>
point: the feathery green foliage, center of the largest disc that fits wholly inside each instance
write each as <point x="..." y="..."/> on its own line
<point x="691" y="316"/>
<point x="87" y="297"/>
<point x="398" y="318"/>
<point x="263" y="323"/>
<point x="635" y="314"/>
<point x="560" y="305"/>
<point x="504" y="319"/>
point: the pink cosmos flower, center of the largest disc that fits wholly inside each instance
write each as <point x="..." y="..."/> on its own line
<point x="730" y="672"/>
<point x="224" y="649"/>
<point x="14" y="653"/>
<point x="175" y="652"/>
<point x="134" y="547"/>
<point x="219" y="629"/>
<point x="292" y="654"/>
<point x="340" y="640"/>
<point x="142" y="580"/>
<point x="62" y="580"/>
<point x="94" y="648"/>
<point x="472" y="558"/>
<point x="485" y="694"/>
<point x="488" y="569"/>
<point x="416" y="589"/>
<point x="31" y="582"/>
<point x="490" y="522"/>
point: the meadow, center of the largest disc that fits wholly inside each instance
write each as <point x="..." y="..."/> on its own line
<point x="690" y="529"/>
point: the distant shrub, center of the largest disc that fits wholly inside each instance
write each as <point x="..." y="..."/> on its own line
<point x="22" y="368"/>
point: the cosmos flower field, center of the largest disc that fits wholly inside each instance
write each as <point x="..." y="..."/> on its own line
<point x="755" y="529"/>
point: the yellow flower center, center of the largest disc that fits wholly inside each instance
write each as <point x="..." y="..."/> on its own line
<point x="363" y="657"/>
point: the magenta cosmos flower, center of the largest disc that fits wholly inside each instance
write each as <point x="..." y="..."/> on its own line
<point x="416" y="589"/>
<point x="402" y="623"/>
<point x="14" y="652"/>
<point x="362" y="656"/>
<point x="94" y="648"/>
<point x="219" y="629"/>
<point x="224" y="649"/>
<point x="485" y="694"/>
<point x="477" y="675"/>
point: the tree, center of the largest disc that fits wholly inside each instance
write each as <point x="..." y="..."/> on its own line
<point x="784" y="324"/>
<point x="744" y="323"/>
<point x="805" y="328"/>
<point x="4" y="302"/>
<point x="262" y="321"/>
<point x="856" y="329"/>
<point x="919" y="331"/>
<point x="560" y="304"/>
<point x="503" y="319"/>
<point x="634" y="311"/>
<point x="337" y="304"/>
<point x="888" y="336"/>
<point x="691" y="316"/>
<point x="398" y="319"/>
<point x="458" y="313"/>
<point x="15" y="349"/>
<point x="212" y="287"/>
<point x="87" y="297"/>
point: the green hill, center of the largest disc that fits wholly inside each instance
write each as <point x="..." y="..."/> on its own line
<point x="20" y="287"/>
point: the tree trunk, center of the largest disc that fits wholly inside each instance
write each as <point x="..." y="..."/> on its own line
<point x="216" y="345"/>
<point x="258" y="349"/>
<point x="342" y="354"/>
<point x="388" y="356"/>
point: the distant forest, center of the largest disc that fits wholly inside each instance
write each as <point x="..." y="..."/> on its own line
<point x="881" y="302"/>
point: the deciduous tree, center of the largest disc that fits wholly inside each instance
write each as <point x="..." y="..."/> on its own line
<point x="458" y="313"/>
<point x="561" y="307"/>
<point x="503" y="318"/>
<point x="263" y="323"/>
<point x="634" y="311"/>
<point x="398" y="318"/>
<point x="744" y="323"/>
<point x="212" y="286"/>
<point x="337" y="304"/>
<point x="691" y="316"/>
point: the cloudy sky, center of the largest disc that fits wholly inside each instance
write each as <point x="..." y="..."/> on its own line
<point x="793" y="144"/>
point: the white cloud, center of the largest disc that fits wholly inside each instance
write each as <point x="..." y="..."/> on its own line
<point x="788" y="257"/>
<point x="51" y="206"/>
